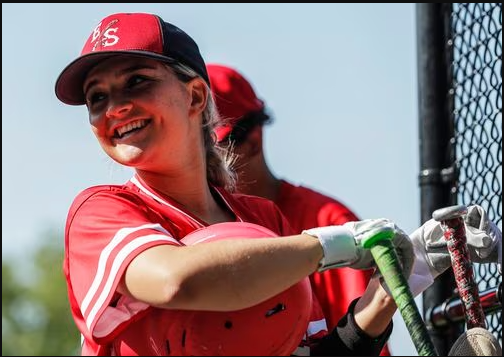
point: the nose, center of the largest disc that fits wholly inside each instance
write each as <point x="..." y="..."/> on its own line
<point x="118" y="107"/>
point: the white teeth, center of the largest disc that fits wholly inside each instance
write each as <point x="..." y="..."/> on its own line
<point x="130" y="126"/>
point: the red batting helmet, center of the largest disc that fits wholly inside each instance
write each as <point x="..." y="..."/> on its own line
<point x="274" y="327"/>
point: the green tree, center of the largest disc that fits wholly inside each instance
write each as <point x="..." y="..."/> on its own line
<point x="36" y="318"/>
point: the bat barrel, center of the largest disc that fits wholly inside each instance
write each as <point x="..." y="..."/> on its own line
<point x="452" y="222"/>
<point x="387" y="261"/>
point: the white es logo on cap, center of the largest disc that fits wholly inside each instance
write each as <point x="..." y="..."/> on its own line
<point x="107" y="37"/>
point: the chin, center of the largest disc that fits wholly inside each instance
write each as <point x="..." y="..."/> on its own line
<point x="132" y="157"/>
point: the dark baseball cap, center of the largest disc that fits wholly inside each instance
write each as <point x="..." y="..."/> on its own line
<point x="136" y="34"/>
<point x="234" y="97"/>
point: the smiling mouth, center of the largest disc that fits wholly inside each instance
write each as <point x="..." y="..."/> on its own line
<point x="130" y="128"/>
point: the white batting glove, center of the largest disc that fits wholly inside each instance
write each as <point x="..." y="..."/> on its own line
<point x="483" y="236"/>
<point x="342" y="244"/>
<point x="484" y="242"/>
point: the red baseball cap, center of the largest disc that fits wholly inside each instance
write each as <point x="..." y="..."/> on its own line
<point x="233" y="95"/>
<point x="136" y="34"/>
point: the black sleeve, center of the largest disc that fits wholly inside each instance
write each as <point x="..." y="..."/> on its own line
<point x="347" y="339"/>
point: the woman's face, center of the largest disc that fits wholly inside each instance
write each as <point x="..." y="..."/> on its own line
<point x="141" y="114"/>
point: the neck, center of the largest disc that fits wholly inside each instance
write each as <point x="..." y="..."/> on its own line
<point x="258" y="180"/>
<point x="193" y="193"/>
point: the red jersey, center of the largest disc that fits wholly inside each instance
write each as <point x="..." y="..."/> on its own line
<point x="109" y="225"/>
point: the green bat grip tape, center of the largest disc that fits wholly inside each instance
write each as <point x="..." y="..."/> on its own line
<point x="387" y="261"/>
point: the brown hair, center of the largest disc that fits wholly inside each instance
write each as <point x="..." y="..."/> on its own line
<point x="218" y="160"/>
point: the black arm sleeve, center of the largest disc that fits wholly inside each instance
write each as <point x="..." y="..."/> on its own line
<point x="347" y="339"/>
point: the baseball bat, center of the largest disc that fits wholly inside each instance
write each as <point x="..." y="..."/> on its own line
<point x="452" y="223"/>
<point x="385" y="256"/>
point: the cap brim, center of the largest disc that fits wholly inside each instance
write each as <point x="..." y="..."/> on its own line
<point x="69" y="85"/>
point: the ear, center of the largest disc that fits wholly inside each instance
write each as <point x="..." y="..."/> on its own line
<point x="198" y="91"/>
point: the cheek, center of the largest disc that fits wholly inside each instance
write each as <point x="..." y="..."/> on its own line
<point x="99" y="133"/>
<point x="95" y="120"/>
<point x="98" y="127"/>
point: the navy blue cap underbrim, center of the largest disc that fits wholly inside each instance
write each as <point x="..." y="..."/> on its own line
<point x="70" y="83"/>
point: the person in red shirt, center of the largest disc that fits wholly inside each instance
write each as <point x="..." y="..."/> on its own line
<point x="243" y="116"/>
<point x="172" y="262"/>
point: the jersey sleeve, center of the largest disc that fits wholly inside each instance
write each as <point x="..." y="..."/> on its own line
<point x="105" y="230"/>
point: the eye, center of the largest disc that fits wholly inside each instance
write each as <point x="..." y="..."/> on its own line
<point x="136" y="80"/>
<point x="94" y="97"/>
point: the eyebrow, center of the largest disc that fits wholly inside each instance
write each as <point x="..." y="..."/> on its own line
<point x="129" y="69"/>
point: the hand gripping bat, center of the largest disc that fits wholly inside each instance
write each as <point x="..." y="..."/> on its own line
<point x="476" y="341"/>
<point x="387" y="261"/>
<point x="452" y="222"/>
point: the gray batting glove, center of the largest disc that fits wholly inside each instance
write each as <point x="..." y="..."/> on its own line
<point x="342" y="244"/>
<point x="484" y="243"/>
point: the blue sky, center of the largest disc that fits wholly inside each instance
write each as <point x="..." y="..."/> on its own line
<point x="340" y="80"/>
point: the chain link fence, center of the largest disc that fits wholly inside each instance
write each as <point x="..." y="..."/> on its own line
<point x="460" y="116"/>
<point x="476" y="93"/>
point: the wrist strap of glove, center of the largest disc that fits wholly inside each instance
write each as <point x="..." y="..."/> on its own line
<point x="338" y="243"/>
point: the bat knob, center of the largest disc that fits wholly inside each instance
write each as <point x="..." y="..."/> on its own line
<point x="377" y="235"/>
<point x="450" y="212"/>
